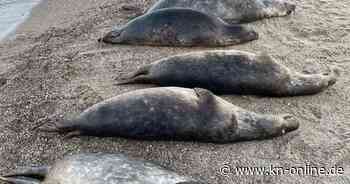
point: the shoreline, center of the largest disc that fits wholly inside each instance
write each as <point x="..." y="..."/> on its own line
<point x="12" y="33"/>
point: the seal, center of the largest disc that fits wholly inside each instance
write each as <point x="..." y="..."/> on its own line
<point x="173" y="113"/>
<point x="98" y="168"/>
<point x="232" y="10"/>
<point x="179" y="27"/>
<point x="231" y="72"/>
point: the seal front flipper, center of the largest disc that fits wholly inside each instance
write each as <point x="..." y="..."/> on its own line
<point x="206" y="99"/>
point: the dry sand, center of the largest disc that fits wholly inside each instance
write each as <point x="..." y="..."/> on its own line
<point x="56" y="67"/>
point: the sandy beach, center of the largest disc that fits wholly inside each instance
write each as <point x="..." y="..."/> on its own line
<point x="56" y="68"/>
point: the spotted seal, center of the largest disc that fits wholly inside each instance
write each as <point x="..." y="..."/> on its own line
<point x="98" y="168"/>
<point x="233" y="10"/>
<point x="173" y="113"/>
<point x="179" y="27"/>
<point x="231" y="72"/>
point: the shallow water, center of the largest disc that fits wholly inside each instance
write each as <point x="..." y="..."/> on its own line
<point x="12" y="13"/>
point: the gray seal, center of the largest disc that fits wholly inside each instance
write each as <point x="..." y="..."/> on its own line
<point x="172" y="113"/>
<point x="232" y="10"/>
<point x="179" y="27"/>
<point x="98" y="168"/>
<point x="231" y="72"/>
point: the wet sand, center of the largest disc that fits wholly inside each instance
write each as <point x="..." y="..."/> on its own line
<point x="55" y="67"/>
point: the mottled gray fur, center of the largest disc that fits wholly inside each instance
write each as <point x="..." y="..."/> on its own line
<point x="232" y="10"/>
<point x="179" y="27"/>
<point x="98" y="168"/>
<point x="231" y="72"/>
<point x="175" y="114"/>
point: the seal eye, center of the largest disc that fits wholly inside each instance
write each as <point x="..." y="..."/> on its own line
<point x="267" y="2"/>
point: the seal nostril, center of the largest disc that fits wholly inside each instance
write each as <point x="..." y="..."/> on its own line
<point x="254" y="35"/>
<point x="290" y="8"/>
<point x="332" y="82"/>
<point x="287" y="117"/>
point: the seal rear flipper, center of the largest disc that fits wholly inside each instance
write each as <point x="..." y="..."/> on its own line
<point x="20" y="180"/>
<point x="65" y="127"/>
<point x="142" y="79"/>
<point x="143" y="70"/>
<point x="113" y="36"/>
<point x="32" y="172"/>
<point x="139" y="76"/>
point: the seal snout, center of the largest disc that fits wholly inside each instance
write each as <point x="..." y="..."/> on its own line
<point x="332" y="76"/>
<point x="249" y="34"/>
<point x="253" y="35"/>
<point x="290" y="123"/>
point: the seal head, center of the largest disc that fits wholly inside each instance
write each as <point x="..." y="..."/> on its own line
<point x="267" y="126"/>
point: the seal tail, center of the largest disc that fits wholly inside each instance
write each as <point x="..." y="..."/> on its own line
<point x="139" y="76"/>
<point x="22" y="180"/>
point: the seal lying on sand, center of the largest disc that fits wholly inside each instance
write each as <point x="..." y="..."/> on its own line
<point x="98" y="168"/>
<point x="232" y="10"/>
<point x="179" y="27"/>
<point x="228" y="72"/>
<point x="174" y="114"/>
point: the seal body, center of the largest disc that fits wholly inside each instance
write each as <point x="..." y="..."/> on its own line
<point x="231" y="72"/>
<point x="99" y="168"/>
<point x="232" y="10"/>
<point x="175" y="114"/>
<point x="179" y="27"/>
